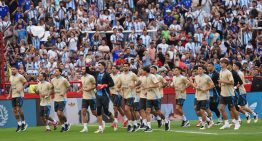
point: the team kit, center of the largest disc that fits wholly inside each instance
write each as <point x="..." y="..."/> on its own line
<point x="141" y="91"/>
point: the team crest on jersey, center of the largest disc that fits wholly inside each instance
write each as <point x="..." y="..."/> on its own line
<point x="3" y="115"/>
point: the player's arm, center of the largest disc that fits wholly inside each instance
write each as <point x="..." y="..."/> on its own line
<point x="138" y="82"/>
<point x="10" y="93"/>
<point x="93" y="85"/>
<point x="67" y="85"/>
<point x="164" y="82"/>
<point x="24" y="81"/>
<point x="110" y="81"/>
<point x="239" y="80"/>
<point x="230" y="80"/>
<point x="155" y="83"/>
<point x="52" y="92"/>
<point x="119" y="83"/>
<point x="210" y="85"/>
<point x="186" y="83"/>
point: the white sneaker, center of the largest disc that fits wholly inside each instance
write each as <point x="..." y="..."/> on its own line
<point x="256" y="118"/>
<point x="202" y="128"/>
<point x="248" y="119"/>
<point x="224" y="127"/>
<point x="84" y="130"/>
<point x="115" y="127"/>
<point x="103" y="125"/>
<point x="99" y="131"/>
<point x="237" y="126"/>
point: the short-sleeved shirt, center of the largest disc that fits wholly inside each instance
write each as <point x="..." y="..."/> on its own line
<point x="44" y="88"/>
<point x="162" y="81"/>
<point x="115" y="89"/>
<point x="180" y="82"/>
<point x="17" y="84"/>
<point x="87" y="82"/>
<point x="242" y="89"/>
<point x="226" y="89"/>
<point x="127" y="80"/>
<point x="143" y="83"/>
<point x="60" y="85"/>
<point x="4" y="11"/>
<point x="152" y="93"/>
<point x="203" y="81"/>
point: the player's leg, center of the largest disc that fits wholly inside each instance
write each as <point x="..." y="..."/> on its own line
<point x="142" y="103"/>
<point x="201" y="109"/>
<point x="128" y="104"/>
<point x="180" y="103"/>
<point x="44" y="114"/>
<point x="158" y="118"/>
<point x="21" y="113"/>
<point x="16" y="114"/>
<point x="85" y="105"/>
<point x="157" y="107"/>
<point x="208" y="113"/>
<point x="60" y="106"/>
<point x="247" y="111"/>
<point x="149" y="105"/>
<point x="99" y="114"/>
<point x="50" y="120"/>
<point x="197" y="113"/>
<point x="223" y="103"/>
<point x="121" y="110"/>
<point x="214" y="108"/>
<point x="136" y="117"/>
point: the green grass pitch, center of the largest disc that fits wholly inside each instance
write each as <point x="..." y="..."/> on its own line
<point x="247" y="132"/>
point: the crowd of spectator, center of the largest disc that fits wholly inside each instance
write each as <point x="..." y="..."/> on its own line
<point x="166" y="33"/>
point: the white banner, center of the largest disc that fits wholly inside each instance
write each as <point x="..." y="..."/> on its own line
<point x="38" y="31"/>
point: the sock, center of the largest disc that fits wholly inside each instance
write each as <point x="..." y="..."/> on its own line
<point x="140" y="118"/>
<point x="149" y="124"/>
<point x="254" y="114"/>
<point x="158" y="118"/>
<point x="47" y="127"/>
<point x="100" y="127"/>
<point x="208" y="119"/>
<point x="233" y="121"/>
<point x="23" y="122"/>
<point x="166" y="120"/>
<point x="115" y="121"/>
<point x="125" y="118"/>
<point x="63" y="125"/>
<point x="200" y="118"/>
<point x="239" y="118"/>
<point x="184" y="118"/>
<point x="19" y="123"/>
<point x="203" y="123"/>
<point x="85" y="125"/>
<point x="236" y="122"/>
<point x="138" y="121"/>
<point x="54" y="122"/>
<point x="226" y="122"/>
<point x="145" y="122"/>
<point x="135" y="123"/>
<point x="130" y="122"/>
<point x="246" y="114"/>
